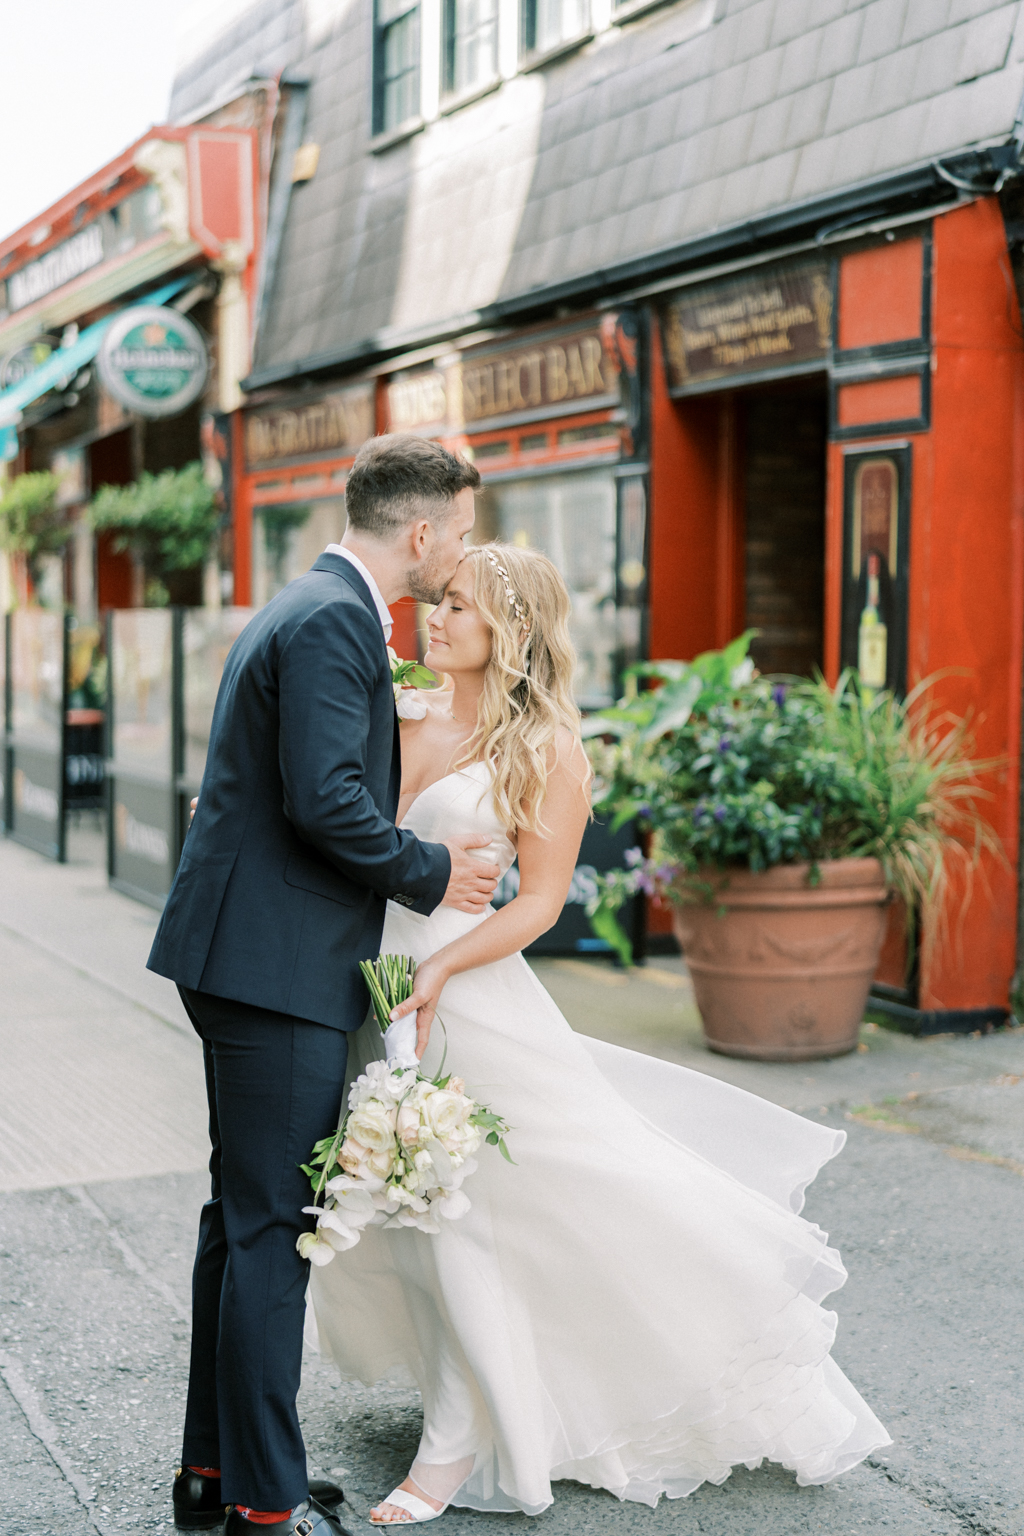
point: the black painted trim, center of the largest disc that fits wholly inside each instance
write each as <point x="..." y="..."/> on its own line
<point x="908" y="346"/>
<point x="839" y="434"/>
<point x="939" y="1021"/>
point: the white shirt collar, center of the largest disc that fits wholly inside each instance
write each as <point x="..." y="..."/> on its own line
<point x="383" y="612"/>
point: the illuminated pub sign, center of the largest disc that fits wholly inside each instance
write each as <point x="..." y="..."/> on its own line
<point x="335" y="424"/>
<point x="528" y="377"/>
<point x="776" y="319"/>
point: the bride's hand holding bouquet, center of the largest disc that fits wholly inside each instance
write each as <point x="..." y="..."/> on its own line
<point x="401" y="1153"/>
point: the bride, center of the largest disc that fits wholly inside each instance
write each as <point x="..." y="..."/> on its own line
<point x="636" y="1304"/>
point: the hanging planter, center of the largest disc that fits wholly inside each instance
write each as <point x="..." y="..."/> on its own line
<point x="782" y="816"/>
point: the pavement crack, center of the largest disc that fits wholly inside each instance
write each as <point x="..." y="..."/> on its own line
<point x="970" y="1520"/>
<point x="45" y="1431"/>
<point x="131" y="1258"/>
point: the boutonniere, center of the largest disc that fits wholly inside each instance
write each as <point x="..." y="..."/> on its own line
<point x="406" y="678"/>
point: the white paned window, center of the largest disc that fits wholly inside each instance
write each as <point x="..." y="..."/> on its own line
<point x="396" y="63"/>
<point x="470" y="44"/>
<point x="546" y="23"/>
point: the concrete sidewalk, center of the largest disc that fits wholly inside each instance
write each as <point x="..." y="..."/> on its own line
<point x="102" y="1150"/>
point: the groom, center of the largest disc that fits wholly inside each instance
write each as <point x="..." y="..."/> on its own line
<point x="279" y="894"/>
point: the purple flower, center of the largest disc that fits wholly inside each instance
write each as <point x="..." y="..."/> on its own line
<point x="719" y="813"/>
<point x="724" y="744"/>
<point x="779" y="695"/>
<point x="645" y="883"/>
<point x="632" y="857"/>
<point x="643" y="811"/>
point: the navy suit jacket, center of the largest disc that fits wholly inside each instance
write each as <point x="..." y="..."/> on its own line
<point x="282" y="883"/>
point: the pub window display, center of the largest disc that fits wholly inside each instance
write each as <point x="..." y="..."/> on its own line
<point x="571" y="518"/>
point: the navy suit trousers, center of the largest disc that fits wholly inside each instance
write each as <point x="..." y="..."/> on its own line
<point x="274" y="1085"/>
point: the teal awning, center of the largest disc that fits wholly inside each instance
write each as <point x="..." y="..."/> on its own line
<point x="63" y="364"/>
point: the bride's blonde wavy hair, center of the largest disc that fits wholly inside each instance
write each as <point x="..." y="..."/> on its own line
<point x="527" y="692"/>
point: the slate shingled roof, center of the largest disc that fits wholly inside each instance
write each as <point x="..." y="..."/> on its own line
<point x="699" y="116"/>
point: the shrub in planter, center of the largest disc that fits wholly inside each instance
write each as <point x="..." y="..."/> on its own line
<point x="31" y="522"/>
<point x="169" y="520"/>
<point x="781" y="815"/>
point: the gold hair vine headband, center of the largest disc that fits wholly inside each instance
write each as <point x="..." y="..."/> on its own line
<point x="514" y="603"/>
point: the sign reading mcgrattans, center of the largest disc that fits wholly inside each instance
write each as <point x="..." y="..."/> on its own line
<point x="747" y="324"/>
<point x="339" y="422"/>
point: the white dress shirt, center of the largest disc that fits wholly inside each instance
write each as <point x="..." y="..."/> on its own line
<point x="382" y="608"/>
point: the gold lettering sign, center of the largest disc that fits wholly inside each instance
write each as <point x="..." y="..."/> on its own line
<point x="560" y="371"/>
<point x="745" y="324"/>
<point x="338" y="423"/>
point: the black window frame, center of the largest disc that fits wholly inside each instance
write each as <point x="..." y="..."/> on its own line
<point x="380" y="80"/>
<point x="448" y="39"/>
<point x="528" y="44"/>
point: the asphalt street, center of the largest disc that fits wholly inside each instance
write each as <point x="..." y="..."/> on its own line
<point x="102" y="1150"/>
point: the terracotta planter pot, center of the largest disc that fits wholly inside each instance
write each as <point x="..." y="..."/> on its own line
<point x="783" y="974"/>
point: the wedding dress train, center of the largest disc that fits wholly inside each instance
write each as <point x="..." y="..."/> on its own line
<point x="637" y="1304"/>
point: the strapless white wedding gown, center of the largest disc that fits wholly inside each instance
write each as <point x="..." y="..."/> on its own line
<point x="636" y="1304"/>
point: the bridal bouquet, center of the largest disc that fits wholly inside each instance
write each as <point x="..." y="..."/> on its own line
<point x="407" y="1142"/>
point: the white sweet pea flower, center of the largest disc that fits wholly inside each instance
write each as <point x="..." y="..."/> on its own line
<point x="316" y="1249"/>
<point x="379" y="1081"/>
<point x="441" y="1161"/>
<point x="453" y="1205"/>
<point x="410" y="704"/>
<point x="740" y="676"/>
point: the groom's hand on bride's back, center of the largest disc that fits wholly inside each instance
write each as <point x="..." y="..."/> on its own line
<point x="472" y="880"/>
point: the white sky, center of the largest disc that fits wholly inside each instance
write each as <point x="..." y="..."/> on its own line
<point x="79" y="81"/>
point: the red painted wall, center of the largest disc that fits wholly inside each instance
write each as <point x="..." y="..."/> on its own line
<point x="966" y="565"/>
<point x="696" y="545"/>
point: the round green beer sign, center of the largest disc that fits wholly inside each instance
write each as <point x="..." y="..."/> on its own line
<point x="153" y="360"/>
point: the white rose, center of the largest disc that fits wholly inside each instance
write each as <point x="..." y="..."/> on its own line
<point x="352" y="1155"/>
<point x="373" y="1125"/>
<point x="379" y="1163"/>
<point x="445" y="1112"/>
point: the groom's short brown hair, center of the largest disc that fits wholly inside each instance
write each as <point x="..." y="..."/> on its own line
<point x="399" y="477"/>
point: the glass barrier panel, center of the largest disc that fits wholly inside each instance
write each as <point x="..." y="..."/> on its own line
<point x="208" y="637"/>
<point x="37" y="666"/>
<point x="141" y="675"/>
<point x="571" y="518"/>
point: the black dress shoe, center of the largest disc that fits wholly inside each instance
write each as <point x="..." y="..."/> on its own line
<point x="311" y="1518"/>
<point x="198" y="1505"/>
<point x="328" y="1494"/>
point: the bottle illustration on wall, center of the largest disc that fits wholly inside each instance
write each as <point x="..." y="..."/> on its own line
<point x="873" y="636"/>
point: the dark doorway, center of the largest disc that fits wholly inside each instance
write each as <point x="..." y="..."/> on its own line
<point x="111" y="463"/>
<point x="784" y="431"/>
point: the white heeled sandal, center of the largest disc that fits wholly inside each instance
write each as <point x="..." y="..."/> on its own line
<point x="419" y="1509"/>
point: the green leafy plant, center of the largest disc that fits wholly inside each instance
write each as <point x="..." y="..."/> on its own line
<point x="734" y="771"/>
<point x="169" y="520"/>
<point x="31" y="522"/>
